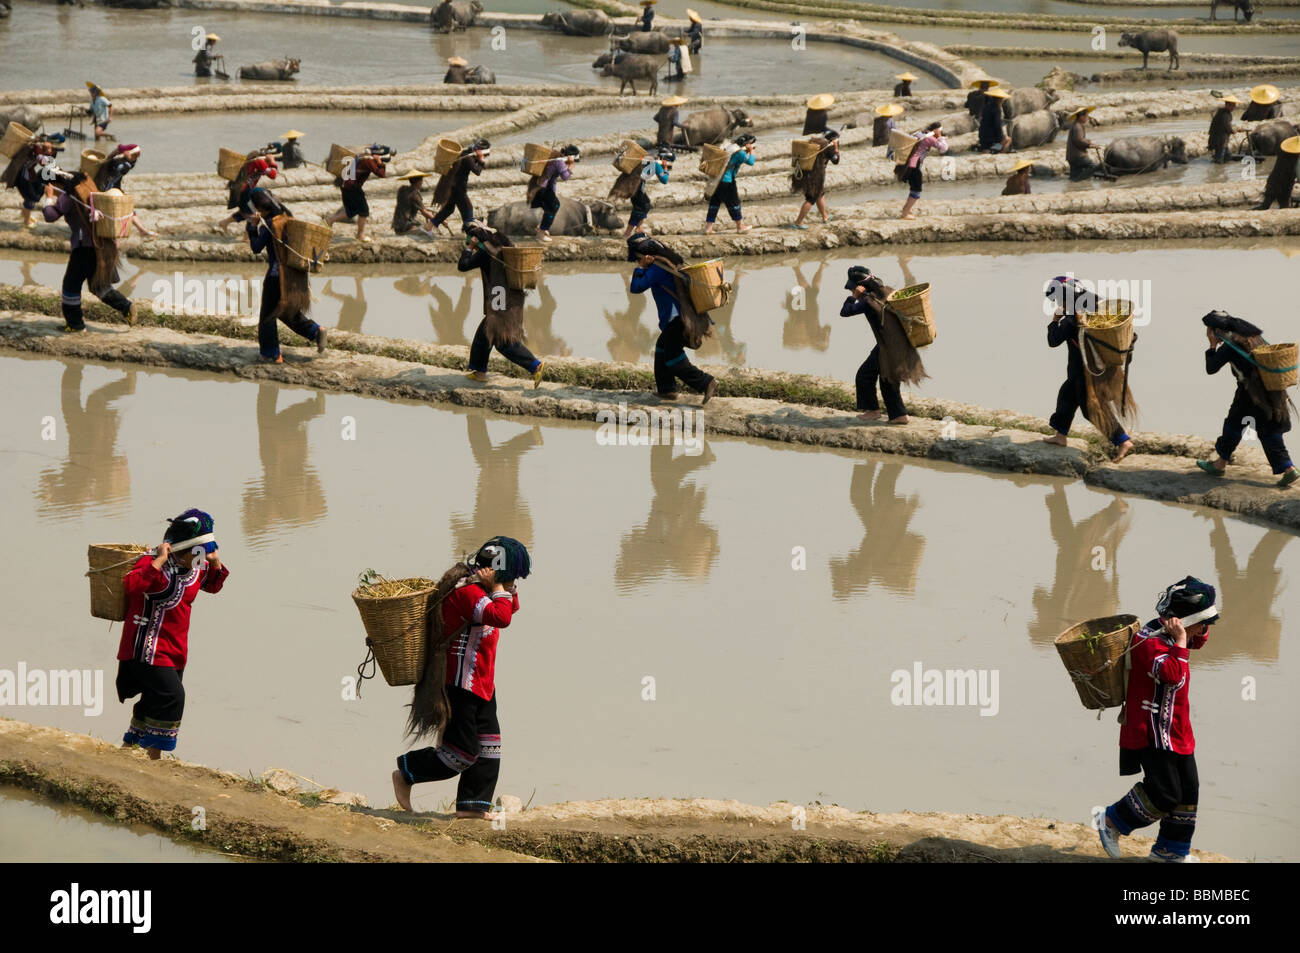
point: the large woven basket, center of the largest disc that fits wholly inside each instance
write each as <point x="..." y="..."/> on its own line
<point x="523" y="265"/>
<point x="1114" y="338"/>
<point x="308" y="244"/>
<point x="804" y="153"/>
<point x="713" y="160"/>
<point x="108" y="565"/>
<point x="629" y="156"/>
<point x="1277" y="365"/>
<point x="338" y="157"/>
<point x="1093" y="654"/>
<point x="445" y="156"/>
<point x="229" y="162"/>
<point x="536" y="157"/>
<point x="708" y="289"/>
<point x="116" y="209"/>
<point x="16" y="136"/>
<point x="902" y="144"/>
<point x="91" y="161"/>
<point x="912" y="305"/>
<point x="397" y="630"/>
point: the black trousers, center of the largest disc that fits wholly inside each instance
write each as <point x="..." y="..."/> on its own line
<point x="726" y="194"/>
<point x="640" y="206"/>
<point x="460" y="202"/>
<point x="470" y="748"/>
<point x="156" y="717"/>
<point x="868" y="375"/>
<point x="480" y="350"/>
<point x="1071" y="399"/>
<point x="1168" y="793"/>
<point x="549" y="203"/>
<point x="671" y="362"/>
<point x="268" y="334"/>
<point x="81" y="268"/>
<point x="1270" y="437"/>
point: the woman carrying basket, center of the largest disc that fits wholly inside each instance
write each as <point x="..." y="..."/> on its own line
<point x="352" y="185"/>
<point x="814" y="180"/>
<point x="910" y="171"/>
<point x="113" y="171"/>
<point x="160" y="590"/>
<point x="502" y="326"/>
<point x="1231" y="341"/>
<point x="472" y="603"/>
<point x="93" y="259"/>
<point x="452" y="190"/>
<point x="726" y="193"/>
<point x="631" y="185"/>
<point x="893" y="361"/>
<point x="1156" y="736"/>
<point x="658" y="271"/>
<point x="285" y="296"/>
<point x="541" y="190"/>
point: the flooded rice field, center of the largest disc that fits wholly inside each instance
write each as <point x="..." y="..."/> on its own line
<point x="785" y="314"/>
<point x="32" y="830"/>
<point x="1253" y="44"/>
<point x="908" y="564"/>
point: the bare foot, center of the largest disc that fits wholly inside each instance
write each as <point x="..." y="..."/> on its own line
<point x="1056" y="440"/>
<point x="155" y="754"/>
<point x="1124" y="450"/>
<point x="402" y="791"/>
<point x="870" y="415"/>
<point x="473" y="815"/>
<point x="900" y="420"/>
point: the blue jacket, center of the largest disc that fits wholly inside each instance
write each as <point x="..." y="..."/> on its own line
<point x="733" y="164"/>
<point x="259" y="240"/>
<point x="661" y="284"/>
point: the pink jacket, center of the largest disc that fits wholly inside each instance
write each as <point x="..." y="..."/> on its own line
<point x="923" y="147"/>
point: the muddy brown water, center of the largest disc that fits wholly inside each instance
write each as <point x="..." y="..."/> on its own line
<point x="991" y="351"/>
<point x="649" y="564"/>
<point x="1082" y="11"/>
<point x="1255" y="44"/>
<point x="32" y="830"/>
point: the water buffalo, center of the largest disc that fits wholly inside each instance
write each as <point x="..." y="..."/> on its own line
<point x="454" y="15"/>
<point x="1245" y="6"/>
<point x="1268" y="135"/>
<point x="136" y="4"/>
<point x="271" y="69"/>
<point x="23" y="115"/>
<point x="1032" y="129"/>
<point x="4" y="9"/>
<point x="629" y="67"/>
<point x="580" y="22"/>
<point x="712" y="125"/>
<point x="653" y="42"/>
<point x="1027" y="99"/>
<point x="958" y="124"/>
<point x="1153" y="41"/>
<point x="1131" y="155"/>
<point x="470" y="76"/>
<point x="573" y="218"/>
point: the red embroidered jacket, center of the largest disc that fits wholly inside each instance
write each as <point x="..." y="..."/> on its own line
<point x="1158" y="710"/>
<point x="157" y="630"/>
<point x="477" y="618"/>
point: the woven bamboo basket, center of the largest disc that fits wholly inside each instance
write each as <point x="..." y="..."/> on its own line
<point x="308" y="243"/>
<point x="912" y="305"/>
<point x="708" y="289"/>
<point x="397" y="630"/>
<point x="445" y="157"/>
<point x="338" y="157"/>
<point x="804" y="153"/>
<point x="536" y="157"/>
<point x="1093" y="654"/>
<point x="523" y="265"/>
<point x="629" y="156"/>
<point x="91" y="161"/>
<point x="713" y="160"/>
<point x="902" y="144"/>
<point x="16" y="136"/>
<point x="1277" y="365"/>
<point x="1110" y="329"/>
<point x="229" y="162"/>
<point x="116" y="208"/>
<point x="108" y="565"/>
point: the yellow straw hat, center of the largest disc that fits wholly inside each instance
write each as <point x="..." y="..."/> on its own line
<point x="1022" y="164"/>
<point x="1081" y="111"/>
<point x="292" y="134"/>
<point x="414" y="174"/>
<point x="648" y="3"/>
<point x="905" y="77"/>
<point x="890" y="109"/>
<point x="212" y="38"/>
<point x="821" y="101"/>
<point x="1229" y="98"/>
<point x="674" y="101"/>
<point x="457" y="61"/>
<point x="1264" y="94"/>
<point x="977" y="83"/>
<point x="693" y="16"/>
<point x="1291" y="145"/>
<point x="998" y="94"/>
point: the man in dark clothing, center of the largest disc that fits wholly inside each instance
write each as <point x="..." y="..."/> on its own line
<point x="647" y="15"/>
<point x="671" y="362"/>
<point x="1077" y="146"/>
<point x="992" y="137"/>
<point x="1263" y="105"/>
<point x="452" y="191"/>
<point x="290" y="150"/>
<point x="1221" y="129"/>
<point x="1281" y="178"/>
<point x="867" y="296"/>
<point x="695" y="33"/>
<point x="904" y="85"/>
<point x="352" y="185"/>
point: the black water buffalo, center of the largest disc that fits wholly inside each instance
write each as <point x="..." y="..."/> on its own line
<point x="1131" y="155"/>
<point x="1268" y="135"/>
<point x="629" y="67"/>
<point x="958" y="124"/>
<point x="271" y="69"/>
<point x="580" y="22"/>
<point x="1245" y="6"/>
<point x="712" y="125"/>
<point x="1026" y="99"/>
<point x="470" y="76"/>
<point x="653" y="42"/>
<point x="23" y="115"/>
<point x="1153" y="41"/>
<point x="1032" y="129"/>
<point x="573" y="218"/>
<point x="4" y="9"/>
<point x="454" y="15"/>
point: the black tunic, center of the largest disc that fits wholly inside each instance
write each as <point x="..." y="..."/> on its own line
<point x="1256" y="112"/>
<point x="1243" y="403"/>
<point x="1220" y="129"/>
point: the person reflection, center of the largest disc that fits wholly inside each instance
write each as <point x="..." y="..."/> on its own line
<point x="352" y="308"/>
<point x="290" y="491"/>
<point x="890" y="552"/>
<point x="1248" y="597"/>
<point x="803" y="327"/>
<point x="499" y="506"/>
<point x="448" y="319"/>
<point x="1087" y="574"/>
<point x="538" y="322"/>
<point x="632" y="339"/>
<point x="675" y="538"/>
<point x="94" y="472"/>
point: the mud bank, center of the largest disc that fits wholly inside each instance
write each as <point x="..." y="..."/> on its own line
<point x="248" y="817"/>
<point x="803" y="410"/>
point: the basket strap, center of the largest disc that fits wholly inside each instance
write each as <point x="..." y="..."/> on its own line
<point x="1250" y="357"/>
<point x="369" y="660"/>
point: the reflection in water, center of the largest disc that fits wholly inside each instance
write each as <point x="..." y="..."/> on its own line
<point x="499" y="507"/>
<point x="94" y="472"/>
<point x="289" y="492"/>
<point x="1247" y="597"/>
<point x="803" y="327"/>
<point x="631" y="337"/>
<point x="352" y="308"/>
<point x="905" y="266"/>
<point x="448" y="319"/>
<point x="890" y="552"/>
<point x="1080" y="591"/>
<point x="541" y="338"/>
<point x="674" y="538"/>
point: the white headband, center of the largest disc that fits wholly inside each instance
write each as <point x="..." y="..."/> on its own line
<point x="196" y="541"/>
